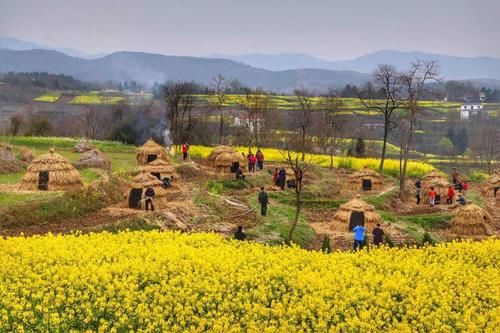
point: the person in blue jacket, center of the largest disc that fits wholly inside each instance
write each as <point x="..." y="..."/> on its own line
<point x="359" y="236"/>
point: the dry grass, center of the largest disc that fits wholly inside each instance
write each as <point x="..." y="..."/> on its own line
<point x="150" y="148"/>
<point x="471" y="220"/>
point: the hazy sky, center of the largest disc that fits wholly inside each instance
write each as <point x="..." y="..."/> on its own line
<point x="330" y="29"/>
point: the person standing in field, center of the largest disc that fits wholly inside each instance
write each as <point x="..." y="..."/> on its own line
<point x="418" y="190"/>
<point x="454" y="175"/>
<point x="239" y="234"/>
<point x="260" y="159"/>
<point x="264" y="201"/>
<point x="185" y="150"/>
<point x="451" y="194"/>
<point x="359" y="236"/>
<point x="432" y="196"/>
<point x="276" y="177"/>
<point x="378" y="235"/>
<point x="251" y="162"/>
<point x="282" y="178"/>
<point x="149" y="195"/>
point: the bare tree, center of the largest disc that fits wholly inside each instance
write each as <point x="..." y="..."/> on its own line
<point x="384" y="98"/>
<point x="303" y="117"/>
<point x="299" y="167"/>
<point x="180" y="102"/>
<point x="219" y="88"/>
<point x="259" y="114"/>
<point x="485" y="144"/>
<point x="90" y="119"/>
<point x="414" y="85"/>
<point x="329" y="122"/>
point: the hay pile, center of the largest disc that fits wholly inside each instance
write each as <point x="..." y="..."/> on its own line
<point x="222" y="158"/>
<point x="151" y="148"/>
<point x="94" y="158"/>
<point x="26" y="155"/>
<point x="145" y="180"/>
<point x="343" y="215"/>
<point x="492" y="182"/>
<point x="8" y="162"/>
<point x="471" y="220"/>
<point x="83" y="146"/>
<point x="62" y="175"/>
<point x="440" y="184"/>
<point x="355" y="181"/>
<point x="159" y="166"/>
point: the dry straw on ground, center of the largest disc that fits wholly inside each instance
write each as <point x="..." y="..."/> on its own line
<point x="222" y="158"/>
<point x="471" y="220"/>
<point x="355" y="181"/>
<point x="151" y="148"/>
<point x="94" y="158"/>
<point x="83" y="146"/>
<point x="343" y="214"/>
<point x="62" y="175"/>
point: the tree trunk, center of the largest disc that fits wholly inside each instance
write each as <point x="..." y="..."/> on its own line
<point x="298" y="208"/>
<point x="221" y="128"/>
<point x="384" y="145"/>
<point x="303" y="143"/>
<point x="331" y="159"/>
<point x="406" y="153"/>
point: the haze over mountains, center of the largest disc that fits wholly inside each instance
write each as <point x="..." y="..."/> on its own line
<point x="281" y="72"/>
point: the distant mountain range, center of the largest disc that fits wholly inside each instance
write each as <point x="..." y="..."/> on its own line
<point x="148" y="68"/>
<point x="452" y="67"/>
<point x="280" y="72"/>
<point x="21" y="45"/>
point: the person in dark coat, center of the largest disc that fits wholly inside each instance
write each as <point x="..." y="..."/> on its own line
<point x="264" y="201"/>
<point x="282" y="178"/>
<point x="239" y="234"/>
<point x="378" y="235"/>
<point x="239" y="174"/>
<point x="149" y="196"/>
<point x="418" y="190"/>
<point x="260" y="159"/>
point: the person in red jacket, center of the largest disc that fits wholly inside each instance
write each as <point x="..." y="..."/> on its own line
<point x="451" y="194"/>
<point x="432" y="196"/>
<point x="185" y="150"/>
<point x="260" y="159"/>
<point x="251" y="162"/>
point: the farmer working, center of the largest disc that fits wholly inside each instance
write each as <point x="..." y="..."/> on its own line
<point x="359" y="236"/>
<point x="260" y="159"/>
<point x="185" y="150"/>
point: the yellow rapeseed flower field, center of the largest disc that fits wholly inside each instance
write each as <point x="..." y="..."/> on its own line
<point x="391" y="167"/>
<point x="172" y="282"/>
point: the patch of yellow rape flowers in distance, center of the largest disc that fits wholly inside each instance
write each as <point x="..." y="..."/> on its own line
<point x="172" y="282"/>
<point x="391" y="166"/>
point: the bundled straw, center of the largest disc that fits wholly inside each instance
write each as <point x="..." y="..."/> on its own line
<point x="492" y="182"/>
<point x="343" y="215"/>
<point x="145" y="180"/>
<point x="436" y="180"/>
<point x="150" y="148"/>
<point x="83" y="146"/>
<point x="222" y="157"/>
<point x="94" y="158"/>
<point x="62" y="175"/>
<point x="159" y="166"/>
<point x="356" y="180"/>
<point x="470" y="220"/>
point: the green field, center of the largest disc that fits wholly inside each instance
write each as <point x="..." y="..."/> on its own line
<point x="96" y="98"/>
<point x="48" y="97"/>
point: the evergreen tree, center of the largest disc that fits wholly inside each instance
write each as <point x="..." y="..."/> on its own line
<point x="461" y="141"/>
<point x="360" y="148"/>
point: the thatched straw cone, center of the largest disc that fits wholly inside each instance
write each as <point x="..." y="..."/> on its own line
<point x="94" y="158"/>
<point x="159" y="166"/>
<point x="151" y="148"/>
<point x="83" y="146"/>
<point x="62" y="175"/>
<point x="343" y="215"/>
<point x="471" y="220"/>
<point x="222" y="158"/>
<point x="355" y="181"/>
<point x="145" y="180"/>
<point x="436" y="180"/>
<point x="490" y="184"/>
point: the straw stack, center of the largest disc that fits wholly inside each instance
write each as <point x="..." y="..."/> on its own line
<point x="356" y="205"/>
<point x="471" y="220"/>
<point x="355" y="180"/>
<point x="151" y="148"/>
<point x="62" y="175"/>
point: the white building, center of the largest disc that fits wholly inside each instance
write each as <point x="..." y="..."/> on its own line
<point x="468" y="110"/>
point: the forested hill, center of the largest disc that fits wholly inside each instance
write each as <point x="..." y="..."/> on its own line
<point x="147" y="68"/>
